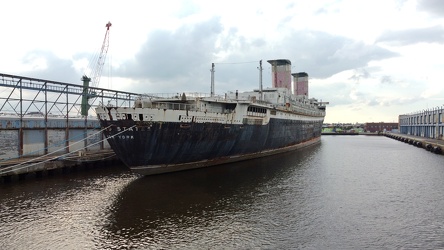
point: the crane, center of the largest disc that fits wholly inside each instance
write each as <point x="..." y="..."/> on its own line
<point x="95" y="75"/>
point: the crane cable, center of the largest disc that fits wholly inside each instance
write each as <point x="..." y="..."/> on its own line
<point x="236" y="62"/>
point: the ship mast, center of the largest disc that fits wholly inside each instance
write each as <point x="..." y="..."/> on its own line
<point x="212" y="79"/>
<point x="260" y="81"/>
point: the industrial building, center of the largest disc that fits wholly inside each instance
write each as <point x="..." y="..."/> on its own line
<point x="374" y="127"/>
<point x="427" y="123"/>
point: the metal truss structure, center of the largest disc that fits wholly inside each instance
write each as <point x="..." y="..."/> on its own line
<point x="24" y="101"/>
<point x="23" y="96"/>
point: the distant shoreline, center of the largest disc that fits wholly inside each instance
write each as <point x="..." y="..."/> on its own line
<point x="348" y="133"/>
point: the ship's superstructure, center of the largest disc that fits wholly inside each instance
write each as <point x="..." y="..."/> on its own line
<point x="165" y="133"/>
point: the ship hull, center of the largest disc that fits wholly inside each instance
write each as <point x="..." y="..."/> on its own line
<point x="160" y="169"/>
<point x="161" y="147"/>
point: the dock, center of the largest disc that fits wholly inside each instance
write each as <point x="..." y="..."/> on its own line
<point x="47" y="126"/>
<point x="430" y="144"/>
<point x="39" y="166"/>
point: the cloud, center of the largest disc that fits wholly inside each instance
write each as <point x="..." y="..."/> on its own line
<point x="361" y="73"/>
<point x="181" y="59"/>
<point x="433" y="34"/>
<point x="174" y="55"/>
<point x="187" y="8"/>
<point x="435" y="7"/>
<point x="46" y="65"/>
<point x="376" y="88"/>
<point x="172" y="59"/>
<point x="323" y="55"/>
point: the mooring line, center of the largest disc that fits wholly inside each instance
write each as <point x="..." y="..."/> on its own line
<point x="13" y="168"/>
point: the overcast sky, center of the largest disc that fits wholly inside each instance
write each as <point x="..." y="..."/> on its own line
<point x="372" y="60"/>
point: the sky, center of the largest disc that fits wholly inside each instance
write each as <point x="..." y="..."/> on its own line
<point x="371" y="60"/>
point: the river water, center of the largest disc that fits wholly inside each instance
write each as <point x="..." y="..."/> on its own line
<point x="348" y="192"/>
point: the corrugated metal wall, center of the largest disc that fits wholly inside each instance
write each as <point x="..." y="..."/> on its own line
<point x="34" y="132"/>
<point x="33" y="142"/>
<point x="56" y="140"/>
<point x="9" y="144"/>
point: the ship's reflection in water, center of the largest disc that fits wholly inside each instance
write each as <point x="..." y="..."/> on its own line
<point x="223" y="206"/>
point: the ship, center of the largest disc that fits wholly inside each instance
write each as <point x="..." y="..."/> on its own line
<point x="163" y="133"/>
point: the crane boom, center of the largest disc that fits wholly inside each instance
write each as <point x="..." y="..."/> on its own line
<point x="96" y="74"/>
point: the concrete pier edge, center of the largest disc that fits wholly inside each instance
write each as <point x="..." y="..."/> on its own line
<point x="54" y="167"/>
<point x="433" y="145"/>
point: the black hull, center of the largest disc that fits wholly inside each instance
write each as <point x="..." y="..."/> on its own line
<point x="160" y="169"/>
<point x="152" y="148"/>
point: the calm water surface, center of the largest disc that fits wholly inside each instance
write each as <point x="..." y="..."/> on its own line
<point x="348" y="192"/>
